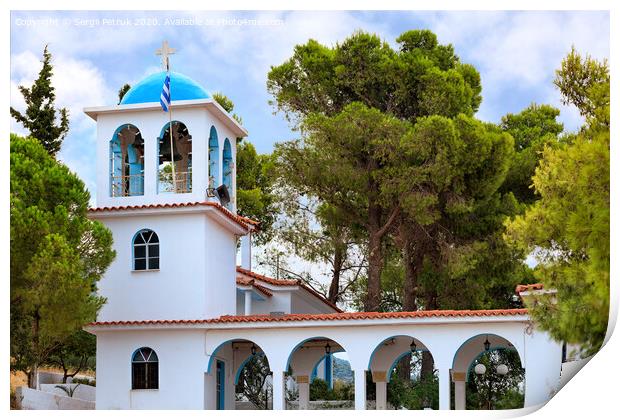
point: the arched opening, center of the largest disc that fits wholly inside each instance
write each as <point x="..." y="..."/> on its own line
<point x="319" y="376"/>
<point x="487" y="374"/>
<point x="238" y="377"/>
<point x="126" y="162"/>
<point x="214" y="159"/>
<point x="175" y="159"/>
<point x="402" y="375"/>
<point x="227" y="170"/>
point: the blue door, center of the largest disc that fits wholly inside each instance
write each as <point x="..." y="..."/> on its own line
<point x="220" y="385"/>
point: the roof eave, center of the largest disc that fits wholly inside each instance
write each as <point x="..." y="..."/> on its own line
<point x="232" y="124"/>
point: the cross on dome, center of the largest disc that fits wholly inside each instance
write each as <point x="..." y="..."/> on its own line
<point x="165" y="51"/>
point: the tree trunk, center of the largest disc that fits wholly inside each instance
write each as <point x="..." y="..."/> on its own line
<point x="33" y="376"/>
<point x="427" y="365"/>
<point x="404" y="368"/>
<point x="334" y="287"/>
<point x="372" y="302"/>
<point x="413" y="258"/>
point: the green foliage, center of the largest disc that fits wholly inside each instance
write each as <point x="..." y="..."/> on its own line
<point x="585" y="83"/>
<point x="68" y="389"/>
<point x="76" y="353"/>
<point x="255" y="197"/>
<point x="255" y="178"/>
<point x="253" y="382"/>
<point x="416" y="394"/>
<point x="122" y="91"/>
<point x="532" y="129"/>
<point x="57" y="254"/>
<point x="341" y="391"/>
<point x="389" y="141"/>
<point x="421" y="78"/>
<point x="492" y="391"/>
<point x="227" y="104"/>
<point x="40" y="117"/>
<point x="569" y="225"/>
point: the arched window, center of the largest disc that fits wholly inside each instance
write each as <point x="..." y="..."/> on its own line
<point x="145" y="250"/>
<point x="175" y="168"/>
<point x="227" y="169"/>
<point x="214" y="158"/>
<point x="126" y="162"/>
<point x="144" y="369"/>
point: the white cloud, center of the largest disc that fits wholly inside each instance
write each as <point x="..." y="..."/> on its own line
<point x="78" y="84"/>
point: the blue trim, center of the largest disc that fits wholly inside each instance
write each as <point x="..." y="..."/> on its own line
<point x="214" y="157"/>
<point x="328" y="370"/>
<point x="290" y="355"/>
<point x="134" y="166"/>
<point x="149" y="89"/>
<point x="227" y="168"/>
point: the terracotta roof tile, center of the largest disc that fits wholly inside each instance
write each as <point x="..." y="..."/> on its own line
<point x="250" y="282"/>
<point x="527" y="287"/>
<point x="276" y="282"/>
<point x="327" y="317"/>
<point x="240" y="220"/>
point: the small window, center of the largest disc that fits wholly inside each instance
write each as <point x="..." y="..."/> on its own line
<point x="146" y="250"/>
<point x="144" y="369"/>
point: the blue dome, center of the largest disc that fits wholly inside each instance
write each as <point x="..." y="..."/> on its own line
<point x="149" y="89"/>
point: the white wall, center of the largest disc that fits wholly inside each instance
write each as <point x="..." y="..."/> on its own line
<point x="221" y="272"/>
<point x="182" y="363"/>
<point x="279" y="302"/>
<point x="33" y="399"/>
<point x="80" y="391"/>
<point x="176" y="290"/>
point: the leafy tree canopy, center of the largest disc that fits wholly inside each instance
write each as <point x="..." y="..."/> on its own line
<point x="569" y="225"/>
<point x="57" y="254"/>
<point x="40" y="117"/>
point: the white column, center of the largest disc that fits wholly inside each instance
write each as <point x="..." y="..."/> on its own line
<point x="459" y="395"/>
<point x="278" y="390"/>
<point x="444" y="388"/>
<point x="246" y="251"/>
<point x="381" y="391"/>
<point x="360" y="389"/>
<point x="303" y="387"/>
<point x="248" y="302"/>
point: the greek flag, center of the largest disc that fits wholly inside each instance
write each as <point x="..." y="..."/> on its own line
<point x="164" y="99"/>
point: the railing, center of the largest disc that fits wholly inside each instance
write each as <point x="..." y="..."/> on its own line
<point x="183" y="182"/>
<point x="127" y="185"/>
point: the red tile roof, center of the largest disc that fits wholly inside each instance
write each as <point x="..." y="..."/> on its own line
<point x="276" y="282"/>
<point x="527" y="287"/>
<point x="240" y="220"/>
<point x="269" y="280"/>
<point x="327" y="317"/>
<point x="249" y="282"/>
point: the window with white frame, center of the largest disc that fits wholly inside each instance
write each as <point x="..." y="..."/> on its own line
<point x="145" y="250"/>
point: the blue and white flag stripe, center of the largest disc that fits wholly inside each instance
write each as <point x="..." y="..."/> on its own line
<point x="164" y="99"/>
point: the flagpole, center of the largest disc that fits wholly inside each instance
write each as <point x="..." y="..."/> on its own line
<point x="174" y="178"/>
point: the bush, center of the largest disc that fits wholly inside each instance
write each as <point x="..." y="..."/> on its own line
<point x="341" y="391"/>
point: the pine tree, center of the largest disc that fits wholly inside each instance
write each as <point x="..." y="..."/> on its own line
<point x="40" y="116"/>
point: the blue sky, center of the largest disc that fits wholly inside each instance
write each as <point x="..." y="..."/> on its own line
<point x="515" y="52"/>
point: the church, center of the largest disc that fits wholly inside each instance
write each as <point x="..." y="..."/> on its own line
<point x="182" y="319"/>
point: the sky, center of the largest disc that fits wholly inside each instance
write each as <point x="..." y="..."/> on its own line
<point x="95" y="53"/>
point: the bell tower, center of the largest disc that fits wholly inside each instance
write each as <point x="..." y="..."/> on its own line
<point x="165" y="164"/>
